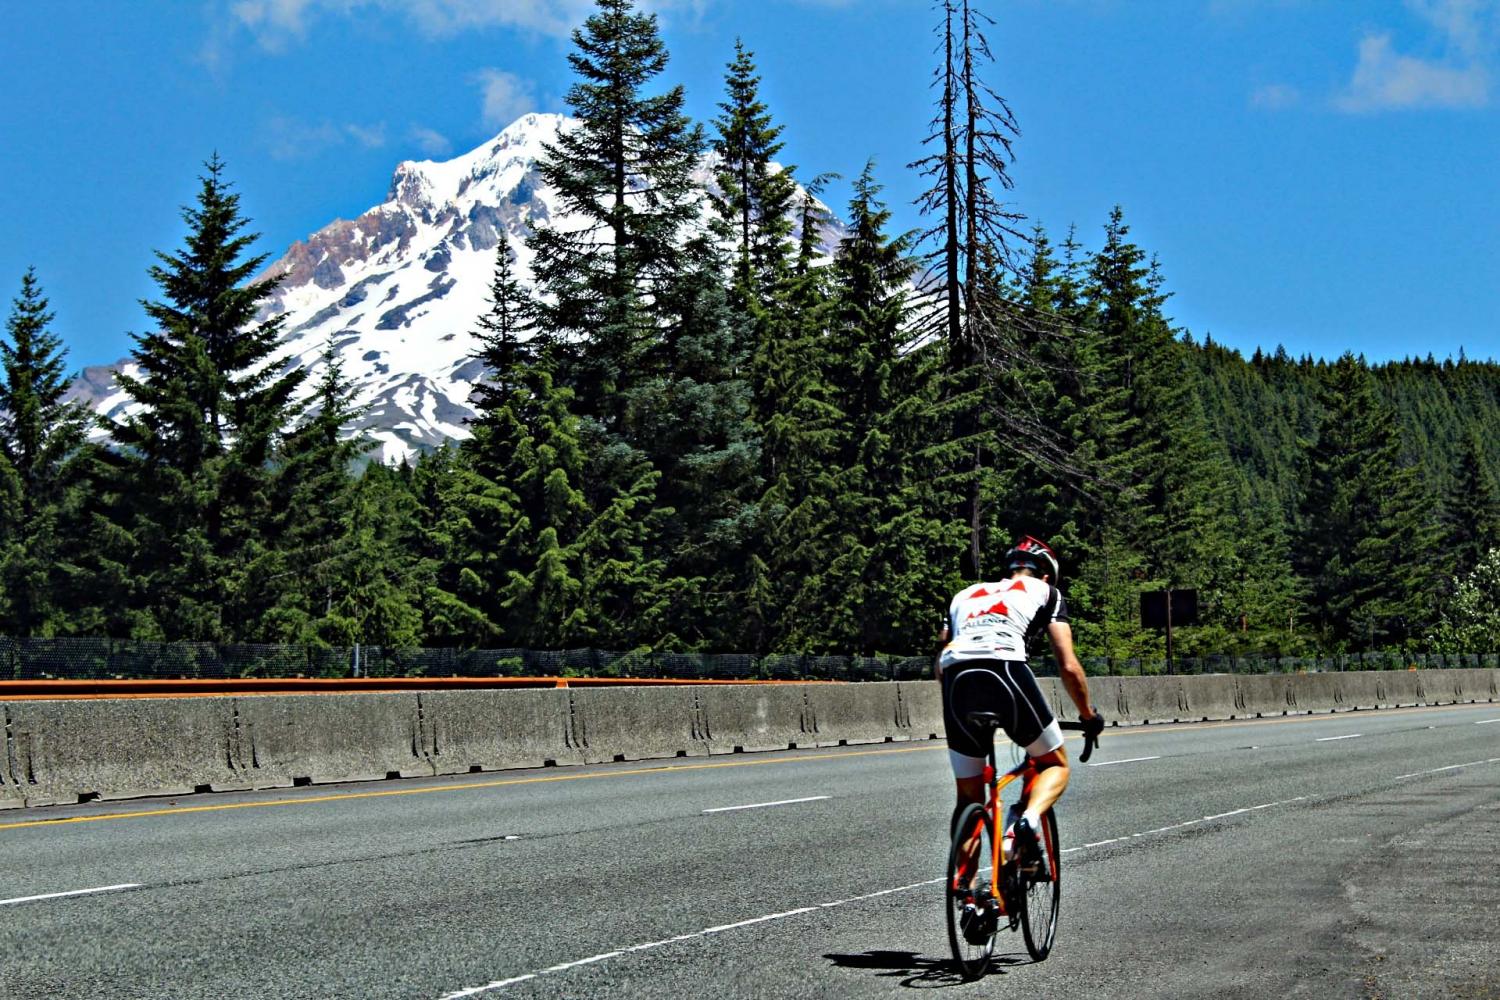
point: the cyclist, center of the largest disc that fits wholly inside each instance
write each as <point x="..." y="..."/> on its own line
<point x="982" y="667"/>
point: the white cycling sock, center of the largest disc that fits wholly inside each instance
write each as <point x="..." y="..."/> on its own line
<point x="1034" y="819"/>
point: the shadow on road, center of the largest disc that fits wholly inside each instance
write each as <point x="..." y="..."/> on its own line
<point x="919" y="971"/>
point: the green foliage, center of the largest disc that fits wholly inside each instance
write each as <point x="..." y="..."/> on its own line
<point x="1471" y="622"/>
<point x="713" y="438"/>
<point x="1365" y="527"/>
<point x="755" y="206"/>
<point x="626" y="171"/>
<point x="41" y="460"/>
<point x="194" y="462"/>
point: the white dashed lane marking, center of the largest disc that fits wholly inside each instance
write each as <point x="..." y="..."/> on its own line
<point x="767" y="805"/>
<point x="74" y="892"/>
<point x="721" y="928"/>
<point x="1127" y="760"/>
<point x="1330" y="739"/>
<point x="1450" y="767"/>
<point x="649" y="945"/>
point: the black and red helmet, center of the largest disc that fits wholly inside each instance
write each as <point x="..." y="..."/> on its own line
<point x="1035" y="555"/>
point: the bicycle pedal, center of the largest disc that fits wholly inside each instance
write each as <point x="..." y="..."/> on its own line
<point x="975" y="924"/>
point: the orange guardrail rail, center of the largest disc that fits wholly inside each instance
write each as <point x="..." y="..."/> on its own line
<point x="201" y="688"/>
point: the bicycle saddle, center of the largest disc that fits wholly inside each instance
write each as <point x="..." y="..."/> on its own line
<point x="984" y="720"/>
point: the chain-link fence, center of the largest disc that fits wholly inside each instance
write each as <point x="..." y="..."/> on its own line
<point x="1227" y="663"/>
<point x="129" y="659"/>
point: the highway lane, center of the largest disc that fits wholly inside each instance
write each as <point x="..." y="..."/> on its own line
<point x="1353" y="873"/>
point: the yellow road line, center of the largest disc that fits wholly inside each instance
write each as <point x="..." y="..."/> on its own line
<point x="467" y="786"/>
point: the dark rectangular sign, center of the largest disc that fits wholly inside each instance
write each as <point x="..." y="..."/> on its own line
<point x="1154" y="608"/>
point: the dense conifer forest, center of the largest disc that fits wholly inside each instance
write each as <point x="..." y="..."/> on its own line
<point x="723" y="440"/>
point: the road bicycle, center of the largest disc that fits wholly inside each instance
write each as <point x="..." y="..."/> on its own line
<point x="1022" y="893"/>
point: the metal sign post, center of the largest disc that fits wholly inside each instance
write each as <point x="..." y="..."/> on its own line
<point x="1165" y="609"/>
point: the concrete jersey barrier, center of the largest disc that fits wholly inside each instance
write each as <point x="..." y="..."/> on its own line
<point x="66" y="751"/>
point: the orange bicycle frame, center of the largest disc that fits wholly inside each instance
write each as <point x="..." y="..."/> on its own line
<point x="996" y="784"/>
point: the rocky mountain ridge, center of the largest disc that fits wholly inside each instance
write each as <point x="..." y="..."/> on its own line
<point x="397" y="291"/>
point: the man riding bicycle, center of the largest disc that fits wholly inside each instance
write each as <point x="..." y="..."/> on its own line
<point x="983" y="668"/>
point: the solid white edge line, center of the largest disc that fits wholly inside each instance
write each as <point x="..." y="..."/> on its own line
<point x="649" y="945"/>
<point x="755" y="920"/>
<point x="497" y="984"/>
<point x="1450" y="767"/>
<point x="564" y="966"/>
<point x="1127" y="760"/>
<point x="764" y="805"/>
<point x="75" y="892"/>
<point x="1330" y="739"/>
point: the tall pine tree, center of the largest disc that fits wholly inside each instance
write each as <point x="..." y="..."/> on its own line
<point x="1365" y="545"/>
<point x="625" y="171"/>
<point x="41" y="444"/>
<point x="195" y="455"/>
<point x="757" y="198"/>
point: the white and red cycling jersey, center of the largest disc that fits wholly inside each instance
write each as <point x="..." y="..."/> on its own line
<point x="996" y="621"/>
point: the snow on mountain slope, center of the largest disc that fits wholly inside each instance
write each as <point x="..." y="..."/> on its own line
<point x="397" y="291"/>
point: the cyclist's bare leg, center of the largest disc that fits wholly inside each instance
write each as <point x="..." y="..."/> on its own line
<point x="1051" y="779"/>
<point x="970" y="790"/>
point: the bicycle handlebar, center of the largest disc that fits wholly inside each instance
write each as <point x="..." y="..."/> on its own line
<point x="1091" y="730"/>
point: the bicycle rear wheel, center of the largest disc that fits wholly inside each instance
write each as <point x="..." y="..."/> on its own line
<point x="971" y="932"/>
<point x="1043" y="893"/>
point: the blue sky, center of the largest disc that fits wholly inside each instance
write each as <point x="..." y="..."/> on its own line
<point x="1315" y="174"/>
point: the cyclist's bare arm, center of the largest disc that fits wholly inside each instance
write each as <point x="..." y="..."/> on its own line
<point x="1069" y="670"/>
<point x="943" y="638"/>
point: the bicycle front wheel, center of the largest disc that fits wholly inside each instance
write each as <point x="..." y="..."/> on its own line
<point x="971" y="925"/>
<point x="1043" y="893"/>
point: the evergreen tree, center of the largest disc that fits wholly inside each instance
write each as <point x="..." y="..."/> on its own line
<point x="626" y="171"/>
<point x="506" y="333"/>
<point x="41" y="444"/>
<point x="799" y="424"/>
<point x="1364" y="538"/>
<point x="196" y="454"/>
<point x="525" y="524"/>
<point x="757" y="199"/>
<point x="896" y="553"/>
<point x="443" y="538"/>
<point x="309" y="530"/>
<point x="376" y="599"/>
<point x="1471" y="526"/>
<point x="11" y="544"/>
<point x="559" y="566"/>
<point x="703" y="439"/>
<point x="1193" y="490"/>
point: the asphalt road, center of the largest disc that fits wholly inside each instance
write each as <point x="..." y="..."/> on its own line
<point x="1323" y="856"/>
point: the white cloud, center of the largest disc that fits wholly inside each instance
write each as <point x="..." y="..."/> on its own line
<point x="368" y="136"/>
<point x="1276" y="96"/>
<point x="506" y="97"/>
<point x="1455" y="73"/>
<point x="429" y="141"/>
<point x="292" y="139"/>
<point x="274" y="23"/>
<point x="447" y="17"/>
<point x="1386" y="80"/>
<point x="1468" y="26"/>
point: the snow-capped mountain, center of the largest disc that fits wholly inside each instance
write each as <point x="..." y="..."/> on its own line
<point x="398" y="290"/>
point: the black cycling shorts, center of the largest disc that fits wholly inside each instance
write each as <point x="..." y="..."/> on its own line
<point x="1007" y="688"/>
